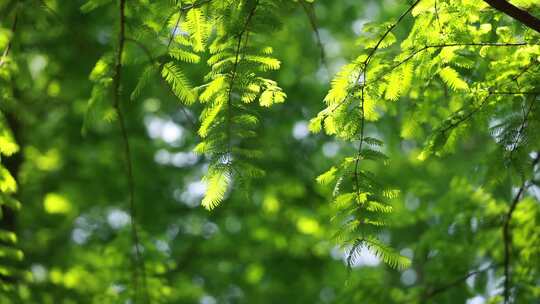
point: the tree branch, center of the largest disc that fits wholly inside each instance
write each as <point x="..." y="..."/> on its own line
<point x="515" y="12"/>
<point x="430" y="293"/>
<point x="156" y="61"/>
<point x="310" y="14"/>
<point x="507" y="237"/>
<point x="138" y="263"/>
<point x="183" y="10"/>
<point x="237" y="60"/>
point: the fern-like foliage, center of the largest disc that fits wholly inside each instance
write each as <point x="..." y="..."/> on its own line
<point x="234" y="84"/>
<point x="361" y="203"/>
<point x="502" y="98"/>
<point x="228" y="35"/>
<point x="10" y="255"/>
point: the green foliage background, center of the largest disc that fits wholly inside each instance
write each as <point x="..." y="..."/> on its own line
<point x="348" y="151"/>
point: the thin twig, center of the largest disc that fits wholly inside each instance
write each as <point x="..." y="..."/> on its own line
<point x="368" y="59"/>
<point x="365" y="64"/>
<point x="138" y="263"/>
<point x="517" y="139"/>
<point x="362" y="97"/>
<point x="507" y="237"/>
<point x="233" y="78"/>
<point x="445" y="45"/>
<point x="431" y="293"/>
<point x="51" y="11"/>
<point x="416" y="52"/>
<point x="438" y="19"/>
<point x="195" y="5"/>
<point x="155" y="62"/>
<point x="180" y="11"/>
<point x="310" y="14"/>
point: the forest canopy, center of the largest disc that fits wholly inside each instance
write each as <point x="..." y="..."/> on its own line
<point x="266" y="151"/>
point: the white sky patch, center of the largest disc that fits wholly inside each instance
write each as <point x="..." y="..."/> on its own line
<point x="163" y="246"/>
<point x="39" y="272"/>
<point x="331" y="45"/>
<point x="365" y="258"/>
<point x="476" y="300"/>
<point x="183" y="159"/>
<point x="80" y="236"/>
<point x="162" y="157"/>
<point x="330" y="149"/>
<point x="408" y="277"/>
<point x="209" y="229"/>
<point x="179" y="159"/>
<point x="164" y="129"/>
<point x="411" y="202"/>
<point x="37" y="64"/>
<point x="358" y="25"/>
<point x="371" y="10"/>
<point x="300" y="130"/>
<point x="337" y="253"/>
<point x="407" y="252"/>
<point x="208" y="300"/>
<point x="117" y="218"/>
<point x="192" y="194"/>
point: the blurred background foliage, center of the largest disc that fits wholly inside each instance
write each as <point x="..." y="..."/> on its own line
<point x="270" y="244"/>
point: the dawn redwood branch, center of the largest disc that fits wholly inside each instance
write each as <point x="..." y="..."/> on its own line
<point x="138" y="262"/>
<point x="507" y="237"/>
<point x="237" y="53"/>
<point x="310" y="14"/>
<point x="156" y="61"/>
<point x="363" y="76"/>
<point x="430" y="293"/>
<point x="452" y="44"/>
<point x="195" y="5"/>
<point x="515" y="12"/>
<point x="368" y="58"/>
<point x="183" y="9"/>
<point x="439" y="46"/>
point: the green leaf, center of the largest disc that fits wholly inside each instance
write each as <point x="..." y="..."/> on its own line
<point x="387" y="254"/>
<point x="452" y="79"/>
<point x="217" y="182"/>
<point x="179" y="83"/>
<point x="198" y="28"/>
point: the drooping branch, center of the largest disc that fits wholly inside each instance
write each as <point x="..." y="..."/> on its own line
<point x="310" y="13"/>
<point x="363" y="75"/>
<point x="507" y="237"/>
<point x="445" y="45"/>
<point x="237" y="58"/>
<point x="138" y="263"/>
<point x="430" y="293"/>
<point x="365" y="64"/>
<point x="515" y="12"/>
<point x="156" y="61"/>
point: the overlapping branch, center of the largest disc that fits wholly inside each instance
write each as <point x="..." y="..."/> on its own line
<point x="515" y="12"/>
